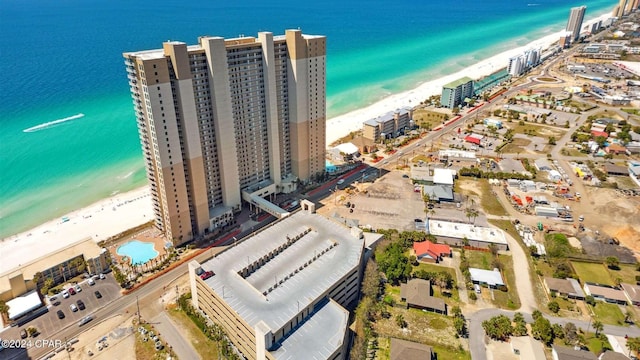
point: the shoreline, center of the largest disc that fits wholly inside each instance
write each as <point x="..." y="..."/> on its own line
<point x="337" y="127"/>
<point x="342" y="125"/>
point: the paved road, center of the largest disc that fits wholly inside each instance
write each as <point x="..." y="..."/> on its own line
<point x="169" y="332"/>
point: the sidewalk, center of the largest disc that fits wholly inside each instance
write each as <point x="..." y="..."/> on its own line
<point x="170" y="333"/>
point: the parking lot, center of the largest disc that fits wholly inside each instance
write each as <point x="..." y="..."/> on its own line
<point x="48" y="324"/>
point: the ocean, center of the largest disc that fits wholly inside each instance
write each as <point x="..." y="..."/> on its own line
<point x="67" y="129"/>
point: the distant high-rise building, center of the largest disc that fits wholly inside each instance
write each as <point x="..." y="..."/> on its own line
<point x="576" y="16"/>
<point x="621" y="9"/>
<point x="519" y="64"/>
<point x="227" y="120"/>
<point x="454" y="93"/>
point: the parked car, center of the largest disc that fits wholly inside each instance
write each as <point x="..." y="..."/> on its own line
<point x="102" y="277"/>
<point x="80" y="305"/>
<point x="341" y="181"/>
<point x="60" y="314"/>
<point x="72" y="291"/>
<point x="85" y="320"/>
<point x="73" y="307"/>
<point x="23" y="334"/>
<point x="207" y="274"/>
<point x="78" y="288"/>
<point x="54" y="301"/>
<point x="98" y="295"/>
<point x="65" y="294"/>
<point x="91" y="282"/>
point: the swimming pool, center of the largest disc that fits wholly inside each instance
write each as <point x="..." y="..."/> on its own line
<point x="329" y="166"/>
<point x="139" y="252"/>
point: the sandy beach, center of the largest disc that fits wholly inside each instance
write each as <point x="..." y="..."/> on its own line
<point x="98" y="221"/>
<point x="344" y="124"/>
<point x="113" y="215"/>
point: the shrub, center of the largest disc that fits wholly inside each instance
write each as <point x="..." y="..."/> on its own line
<point x="554" y="307"/>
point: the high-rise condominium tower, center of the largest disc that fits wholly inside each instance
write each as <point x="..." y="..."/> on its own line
<point x="227" y="120"/>
<point x="576" y="16"/>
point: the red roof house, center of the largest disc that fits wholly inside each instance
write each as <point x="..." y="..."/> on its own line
<point x="430" y="252"/>
<point x="599" y="133"/>
<point x="615" y="149"/>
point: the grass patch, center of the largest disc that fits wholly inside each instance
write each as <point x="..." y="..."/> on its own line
<point x="596" y="344"/>
<point x="608" y="313"/>
<point x="489" y="202"/>
<point x="206" y="348"/>
<point x="454" y="297"/>
<point x="627" y="273"/>
<point x="516" y="146"/>
<point x="632" y="111"/>
<point x="592" y="272"/>
<point x="573" y="152"/>
<point x="479" y="259"/>
<point x="421" y="158"/>
<point x="509" y="299"/>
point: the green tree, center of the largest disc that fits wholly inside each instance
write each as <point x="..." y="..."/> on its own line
<point x="633" y="344"/>
<point x="570" y="333"/>
<point x="400" y="321"/>
<point x="520" y="325"/>
<point x="597" y="326"/>
<point x="541" y="330"/>
<point x="460" y="325"/>
<point x="589" y="299"/>
<point x="554" y="307"/>
<point x="471" y="214"/>
<point x="393" y="263"/>
<point x="552" y="140"/>
<point x="371" y="280"/>
<point x="498" y="327"/>
<point x="612" y="262"/>
<point x="558" y="331"/>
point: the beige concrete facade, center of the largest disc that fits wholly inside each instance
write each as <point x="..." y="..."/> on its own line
<point x="224" y="116"/>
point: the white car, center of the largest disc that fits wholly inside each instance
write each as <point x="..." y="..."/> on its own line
<point x="102" y="277"/>
<point x="65" y="294"/>
<point x="91" y="282"/>
<point x="78" y="288"/>
<point x="341" y="181"/>
<point x="73" y="307"/>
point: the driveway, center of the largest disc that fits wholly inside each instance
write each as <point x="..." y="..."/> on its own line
<point x="170" y="333"/>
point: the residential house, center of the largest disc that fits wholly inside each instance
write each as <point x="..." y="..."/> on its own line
<point x="615" y="149"/>
<point x="615" y="170"/>
<point x="567" y="353"/>
<point x="408" y="350"/>
<point x="605" y="293"/>
<point x="632" y="292"/>
<point x="491" y="278"/>
<point x="564" y="287"/>
<point x="612" y="355"/>
<point x="417" y="293"/>
<point x="427" y="251"/>
<point x="634" y="171"/>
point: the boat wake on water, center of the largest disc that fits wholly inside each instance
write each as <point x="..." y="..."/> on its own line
<point x="52" y="123"/>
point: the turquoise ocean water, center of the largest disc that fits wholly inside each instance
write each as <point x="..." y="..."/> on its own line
<point x="63" y="59"/>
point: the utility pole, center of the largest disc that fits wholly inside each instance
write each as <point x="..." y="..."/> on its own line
<point x="178" y="297"/>
<point x="138" y="306"/>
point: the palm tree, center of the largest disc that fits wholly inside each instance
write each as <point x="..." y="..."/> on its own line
<point x="429" y="212"/>
<point x="633" y="344"/>
<point x="4" y="312"/>
<point x="597" y="326"/>
<point x="471" y="213"/>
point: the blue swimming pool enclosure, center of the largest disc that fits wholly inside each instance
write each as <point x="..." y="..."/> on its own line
<point x="139" y="252"/>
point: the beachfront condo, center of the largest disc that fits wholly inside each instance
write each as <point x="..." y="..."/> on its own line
<point x="576" y="16"/>
<point x="455" y="92"/>
<point x="227" y="122"/>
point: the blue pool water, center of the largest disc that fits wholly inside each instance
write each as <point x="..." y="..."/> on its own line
<point x="139" y="252"/>
<point x="329" y="166"/>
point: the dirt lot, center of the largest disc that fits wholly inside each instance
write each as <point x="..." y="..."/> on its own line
<point x="390" y="202"/>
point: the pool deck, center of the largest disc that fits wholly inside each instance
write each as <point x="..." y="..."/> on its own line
<point x="151" y="235"/>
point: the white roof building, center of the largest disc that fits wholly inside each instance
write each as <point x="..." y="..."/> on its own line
<point x="492" y="278"/>
<point x="23" y="304"/>
<point x="347" y="148"/>
<point x="443" y="176"/>
<point x="554" y="175"/>
<point x="472" y="232"/>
